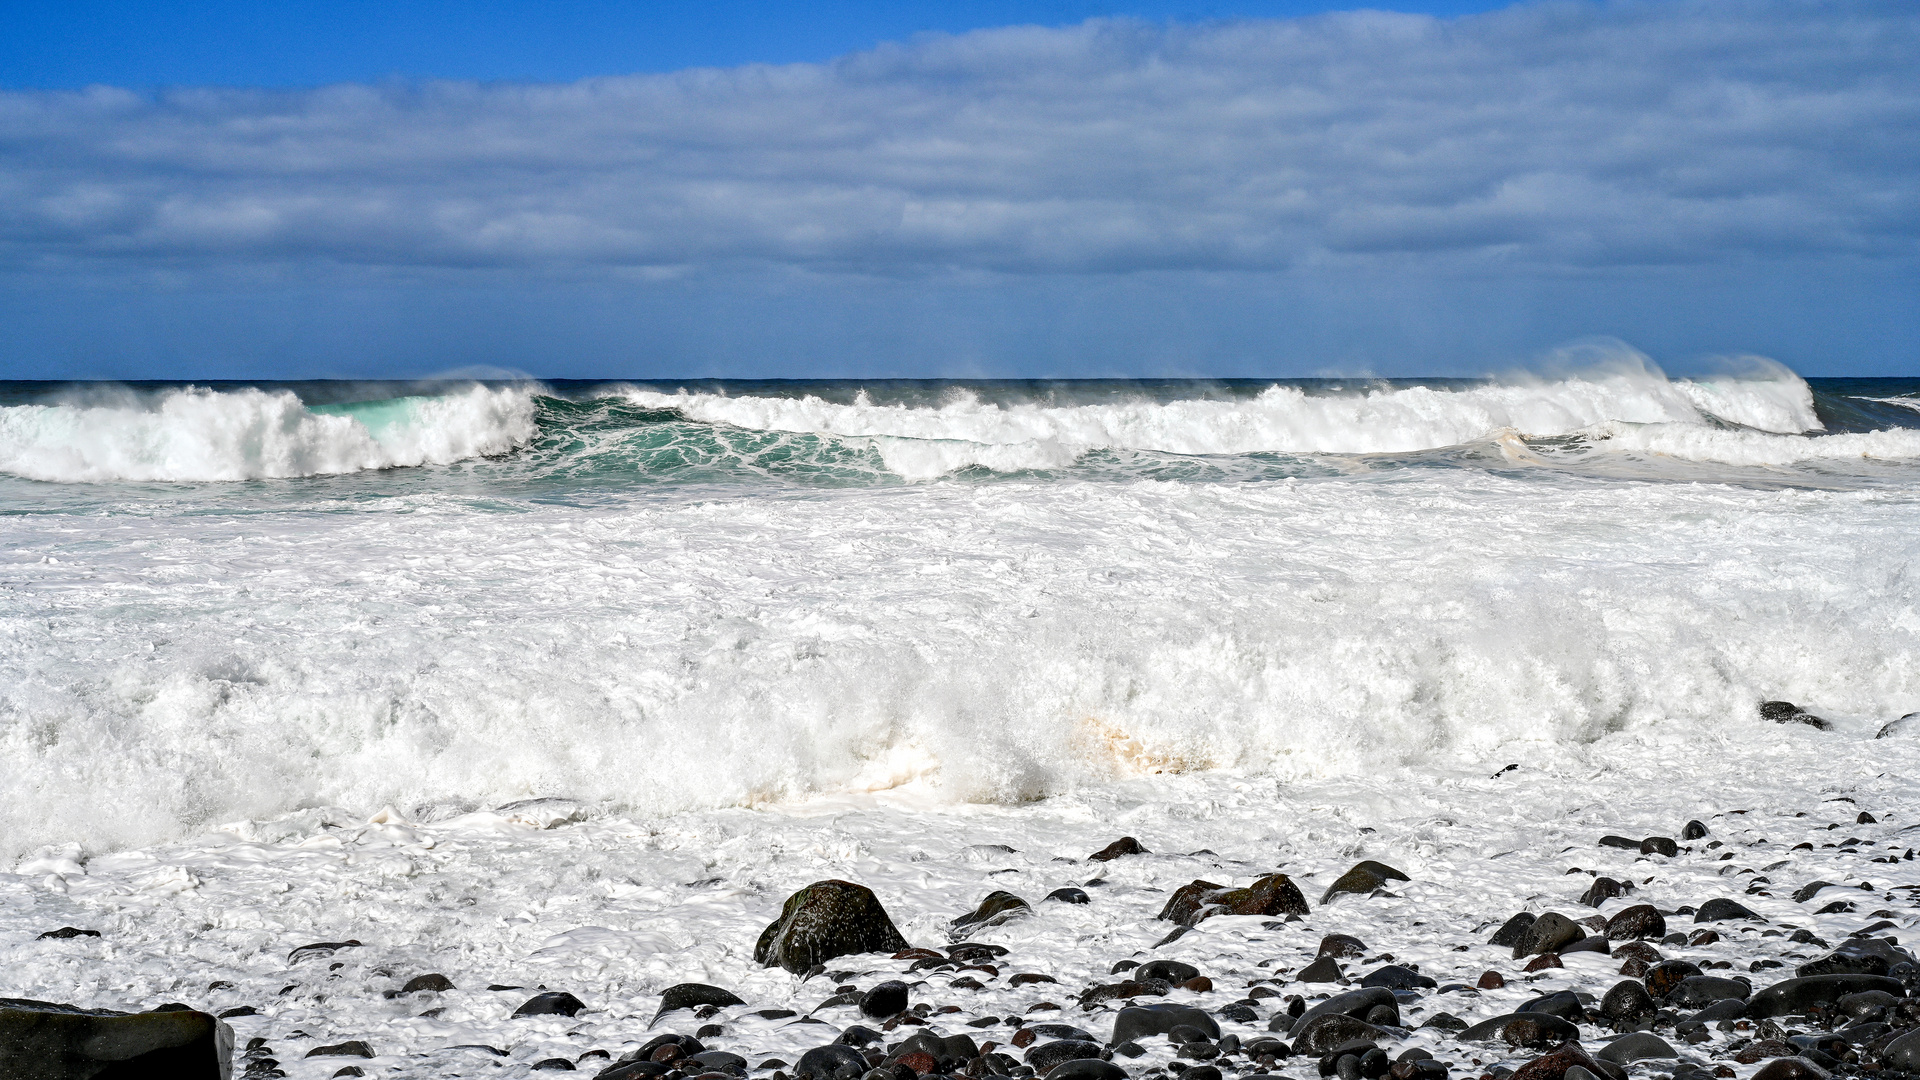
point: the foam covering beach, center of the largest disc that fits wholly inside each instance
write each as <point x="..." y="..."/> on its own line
<point x="273" y="657"/>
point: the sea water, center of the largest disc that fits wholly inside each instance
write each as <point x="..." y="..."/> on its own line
<point x="460" y="669"/>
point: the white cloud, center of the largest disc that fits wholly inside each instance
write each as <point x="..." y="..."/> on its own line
<point x="1556" y="135"/>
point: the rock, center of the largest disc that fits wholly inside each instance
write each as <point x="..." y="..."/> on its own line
<point x="824" y="1061"/>
<point x="66" y="933"/>
<point x="350" y="1048"/>
<point x="824" y="920"/>
<point x="1366" y="876"/>
<point x="1172" y="971"/>
<point x="1547" y="934"/>
<point x="1793" y="997"/>
<point x="1848" y="959"/>
<point x="1445" y="1022"/>
<point x="1731" y="1008"/>
<point x="1141" y="1022"/>
<point x="1493" y="1028"/>
<point x="1272" y="895"/>
<point x="1906" y="725"/>
<point x="1184" y="905"/>
<point x="1532" y="1032"/>
<point x="1636" y="1046"/>
<point x="1659" y="845"/>
<point x="1662" y="977"/>
<point x="1639" y="950"/>
<point x="1591" y="943"/>
<point x="998" y="907"/>
<point x="1341" y="946"/>
<point x="1628" y="1003"/>
<point x="1126" y="845"/>
<point x="692" y="996"/>
<point x="1602" y="890"/>
<point x="1695" y="830"/>
<point x="1903" y="1052"/>
<point x="1786" y="712"/>
<point x="1554" y="1065"/>
<point x="1566" y="1005"/>
<point x="42" y="1040"/>
<point x="1722" y="909"/>
<point x="1090" y="1069"/>
<point x="1324" y="1032"/>
<point x="1395" y="977"/>
<point x="1491" y="980"/>
<point x="553" y="1003"/>
<point x="1326" y="969"/>
<point x="1790" y="1068"/>
<point x="435" y="983"/>
<point x="1069" y="895"/>
<point x="1635" y="923"/>
<point x="320" y="950"/>
<point x="884" y="1000"/>
<point x="553" y="1065"/>
<point x="1354" y="1003"/>
<point x="1810" y="890"/>
<point x="1625" y="843"/>
<point x="1513" y="931"/>
<point x="1700" y="990"/>
<point x="1044" y="1056"/>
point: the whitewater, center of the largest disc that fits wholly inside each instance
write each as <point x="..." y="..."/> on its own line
<point x="368" y="649"/>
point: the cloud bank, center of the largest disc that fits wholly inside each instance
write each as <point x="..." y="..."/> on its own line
<point x="1557" y="137"/>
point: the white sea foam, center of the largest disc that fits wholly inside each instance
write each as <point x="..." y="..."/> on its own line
<point x="200" y="435"/>
<point x="1040" y="435"/>
<point x="1755" y="448"/>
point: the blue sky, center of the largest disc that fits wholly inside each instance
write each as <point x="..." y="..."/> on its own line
<point x="1058" y="189"/>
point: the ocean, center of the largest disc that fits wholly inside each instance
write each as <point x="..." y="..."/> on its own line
<point x="460" y="669"/>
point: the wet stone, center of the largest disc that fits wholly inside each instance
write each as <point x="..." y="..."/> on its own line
<point x="552" y="1003"/>
<point x="1513" y="931"/>
<point x="1126" y="845"/>
<point x="825" y="920"/>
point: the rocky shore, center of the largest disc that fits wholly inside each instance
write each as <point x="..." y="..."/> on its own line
<point x="1751" y="943"/>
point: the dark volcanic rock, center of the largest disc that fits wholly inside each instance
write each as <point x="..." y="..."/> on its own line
<point x="44" y="1041"/>
<point x="887" y="999"/>
<point x="1554" y="1065"/>
<point x="1636" y="922"/>
<point x="824" y="920"/>
<point x="1906" y="725"/>
<point x="351" y="1048"/>
<point x="1625" y="843"/>
<point x="320" y="950"/>
<point x="1793" y="997"/>
<point x="692" y="996"/>
<point x="1721" y="909"/>
<point x="1325" y="969"/>
<point x="1354" y="1003"/>
<point x="1513" y="931"/>
<point x="1366" y="876"/>
<point x="1341" y="946"/>
<point x="1044" y="1056"/>
<point x="998" y="907"/>
<point x="1140" y="1022"/>
<point x="1272" y="895"/>
<point x="824" y="1061"/>
<point x="1547" y="934"/>
<point x="1848" y="959"/>
<point x="1659" y="845"/>
<point x="1602" y="890"/>
<point x="1126" y="845"/>
<point x="1395" y="977"/>
<point x="1791" y="1068"/>
<point x="1903" y="1052"/>
<point x="1069" y="895"/>
<point x="1695" y="830"/>
<point x="1701" y="990"/>
<point x="1810" y="890"/>
<point x="1324" y="1032"/>
<point x="434" y="983"/>
<point x="1090" y="1069"/>
<point x="1662" y="977"/>
<point x="1172" y="971"/>
<point x="1628" y="1003"/>
<point x="1491" y="1029"/>
<point x="66" y="933"/>
<point x="553" y="1003"/>
<point x="1732" y="1008"/>
<point x="1636" y="1046"/>
<point x="1786" y="712"/>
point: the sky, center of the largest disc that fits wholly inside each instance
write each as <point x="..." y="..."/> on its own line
<point x="980" y="189"/>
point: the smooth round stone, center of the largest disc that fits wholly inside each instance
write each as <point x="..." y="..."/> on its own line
<point x="1636" y="1046"/>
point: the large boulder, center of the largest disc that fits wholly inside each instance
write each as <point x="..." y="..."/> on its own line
<point x="824" y="920"/>
<point x="1140" y="1022"/>
<point x="1272" y="895"/>
<point x="40" y="1040"/>
<point x="1547" y="935"/>
<point x="1793" y="997"/>
<point x="1362" y="880"/>
<point x="1635" y="923"/>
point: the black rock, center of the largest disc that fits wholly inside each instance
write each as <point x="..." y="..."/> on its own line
<point x="1810" y="890"/>
<point x="1172" y="971"/>
<point x="1493" y="1028"/>
<point x="1906" y="725"/>
<point x="998" y="907"/>
<point x="1659" y="845"/>
<point x="1354" y="1003"/>
<point x="45" y="1041"/>
<point x="1793" y="997"/>
<point x="1636" y="1046"/>
<point x="1069" y="895"/>
<point x="1721" y="909"/>
<point x="1628" y="1003"/>
<point x="351" y="1048"/>
<point x="717" y="1059"/>
<point x="1662" y="977"/>
<point x="1044" y="1056"/>
<point x="1846" y="960"/>
<point x="552" y="1003"/>
<point x="1602" y="890"/>
<point x="1789" y="1068"/>
<point x="692" y="996"/>
<point x="1702" y="990"/>
<point x="1695" y="830"/>
<point x="824" y="920"/>
<point x="239" y="1010"/>
<point x="430" y="983"/>
<point x="1126" y="845"/>
<point x="1324" y="1032"/>
<point x="1325" y="969"/>
<point x="887" y="999"/>
<point x="67" y="932"/>
<point x="1512" y="932"/>
<point x="320" y="950"/>
<point x="1548" y="934"/>
<point x="1625" y="843"/>
<point x="825" y="1061"/>
<point x="1342" y="946"/>
<point x="1903" y="1052"/>
<point x="1395" y="977"/>
<point x="1636" y="923"/>
<point x="1565" y="1004"/>
<point x="1732" y="1008"/>
<point x="1445" y="1022"/>
<point x="1366" y="876"/>
<point x="1096" y="1069"/>
<point x="1786" y="712"/>
<point x="1141" y="1022"/>
<point x="858" y="1035"/>
<point x="553" y="1065"/>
